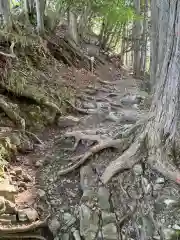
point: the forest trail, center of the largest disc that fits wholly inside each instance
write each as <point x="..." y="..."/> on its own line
<point x="106" y="107"/>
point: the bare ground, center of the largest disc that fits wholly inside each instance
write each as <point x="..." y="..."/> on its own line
<point x="152" y="195"/>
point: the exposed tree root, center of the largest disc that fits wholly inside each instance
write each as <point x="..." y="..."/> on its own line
<point x="118" y="144"/>
<point x="126" y="161"/>
<point x="81" y="136"/>
<point x="81" y="110"/>
<point x="105" y="82"/>
<point x="7" y="108"/>
<point x="22" y="236"/>
<point x="35" y="137"/>
<point x="25" y="228"/>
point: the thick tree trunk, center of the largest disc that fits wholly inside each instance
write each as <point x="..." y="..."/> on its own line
<point x="72" y="25"/>
<point x="83" y="22"/>
<point x="137" y="37"/>
<point x="159" y="143"/>
<point x="40" y="16"/>
<point x="5" y="11"/>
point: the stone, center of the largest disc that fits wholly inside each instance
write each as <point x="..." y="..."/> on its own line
<point x="54" y="226"/>
<point x="31" y="214"/>
<point x="67" y="121"/>
<point x="18" y="170"/>
<point x="108" y="218"/>
<point x="10" y="217"/>
<point x="2" y="205"/>
<point x="89" y="222"/>
<point x="41" y="193"/>
<point x="109" y="232"/>
<point x="8" y="191"/>
<point x="10" y="207"/>
<point x="138" y="170"/>
<point x="87" y="177"/>
<point x="22" y="185"/>
<point x="69" y="220"/>
<point x="168" y="233"/>
<point x="22" y="216"/>
<point x="103" y="198"/>
<point x="26" y="178"/>
<point x="88" y="105"/>
<point x="160" y="180"/>
<point x="157" y="187"/>
<point x="176" y="227"/>
<point x="39" y="163"/>
<point x="88" y="195"/>
<point x="65" y="236"/>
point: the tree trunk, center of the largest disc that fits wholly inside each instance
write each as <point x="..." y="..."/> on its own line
<point x="40" y="16"/>
<point x="72" y="25"/>
<point x="137" y="36"/>
<point x="83" y="22"/>
<point x="5" y="11"/>
<point x="159" y="142"/>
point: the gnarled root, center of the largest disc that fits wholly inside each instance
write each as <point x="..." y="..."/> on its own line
<point x="25" y="228"/>
<point x="81" y="110"/>
<point x="78" y="135"/>
<point x="7" y="108"/>
<point x="22" y="236"/>
<point x="130" y="157"/>
<point x="121" y="144"/>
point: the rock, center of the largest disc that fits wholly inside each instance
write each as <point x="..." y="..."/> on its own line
<point x="2" y="205"/>
<point x="103" y="198"/>
<point x="157" y="187"/>
<point x="26" y="147"/>
<point x="146" y="185"/>
<point x="176" y="227"/>
<point x="31" y="214"/>
<point x="88" y="105"/>
<point x="22" y="185"/>
<point x="170" y="202"/>
<point x="109" y="232"/>
<point x="22" y="216"/>
<point x="87" y="177"/>
<point x="89" y="221"/>
<point x="39" y="163"/>
<point x="18" y="171"/>
<point x="88" y="195"/>
<point x="41" y="193"/>
<point x="65" y="236"/>
<point x="67" y="121"/>
<point x="9" y="217"/>
<point x="160" y="180"/>
<point x="168" y="233"/>
<point x="10" y="207"/>
<point x="130" y="100"/>
<point x="8" y="191"/>
<point x="108" y="218"/>
<point x="69" y="220"/>
<point x="15" y="139"/>
<point x="138" y="170"/>
<point x="54" y="226"/>
<point x="26" y="178"/>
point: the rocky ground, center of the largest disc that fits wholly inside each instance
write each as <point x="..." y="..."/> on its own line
<point x="137" y="204"/>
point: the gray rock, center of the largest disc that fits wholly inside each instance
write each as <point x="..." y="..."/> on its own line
<point x="176" y="227"/>
<point x="26" y="178"/>
<point x="65" y="236"/>
<point x="88" y="195"/>
<point x="31" y="214"/>
<point x="168" y="233"/>
<point x="88" y="105"/>
<point x="2" y="205"/>
<point x="41" y="193"/>
<point x="67" y="121"/>
<point x="22" y="216"/>
<point x="87" y="177"/>
<point x="89" y="221"/>
<point x="54" y="226"/>
<point x="18" y="170"/>
<point x="108" y="218"/>
<point x="160" y="180"/>
<point x="157" y="187"/>
<point x="8" y="217"/>
<point x="138" y="170"/>
<point x="68" y="220"/>
<point x="103" y="198"/>
<point x="109" y="232"/>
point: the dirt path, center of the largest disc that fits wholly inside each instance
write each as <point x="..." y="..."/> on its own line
<point x="132" y="204"/>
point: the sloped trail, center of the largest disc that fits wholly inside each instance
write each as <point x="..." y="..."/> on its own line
<point x="69" y="187"/>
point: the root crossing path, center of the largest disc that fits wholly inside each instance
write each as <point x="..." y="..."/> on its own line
<point x="74" y="157"/>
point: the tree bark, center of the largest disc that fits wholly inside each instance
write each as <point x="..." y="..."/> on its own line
<point x="72" y="25"/>
<point x="159" y="142"/>
<point x="40" y="16"/>
<point x="5" y="11"/>
<point x="137" y="36"/>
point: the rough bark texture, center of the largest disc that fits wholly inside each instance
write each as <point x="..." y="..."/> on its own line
<point x="158" y="143"/>
<point x="40" y="16"/>
<point x="72" y="25"/>
<point x="5" y="11"/>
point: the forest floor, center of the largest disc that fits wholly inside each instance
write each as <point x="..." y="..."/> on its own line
<point x="136" y="204"/>
<point x="53" y="177"/>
